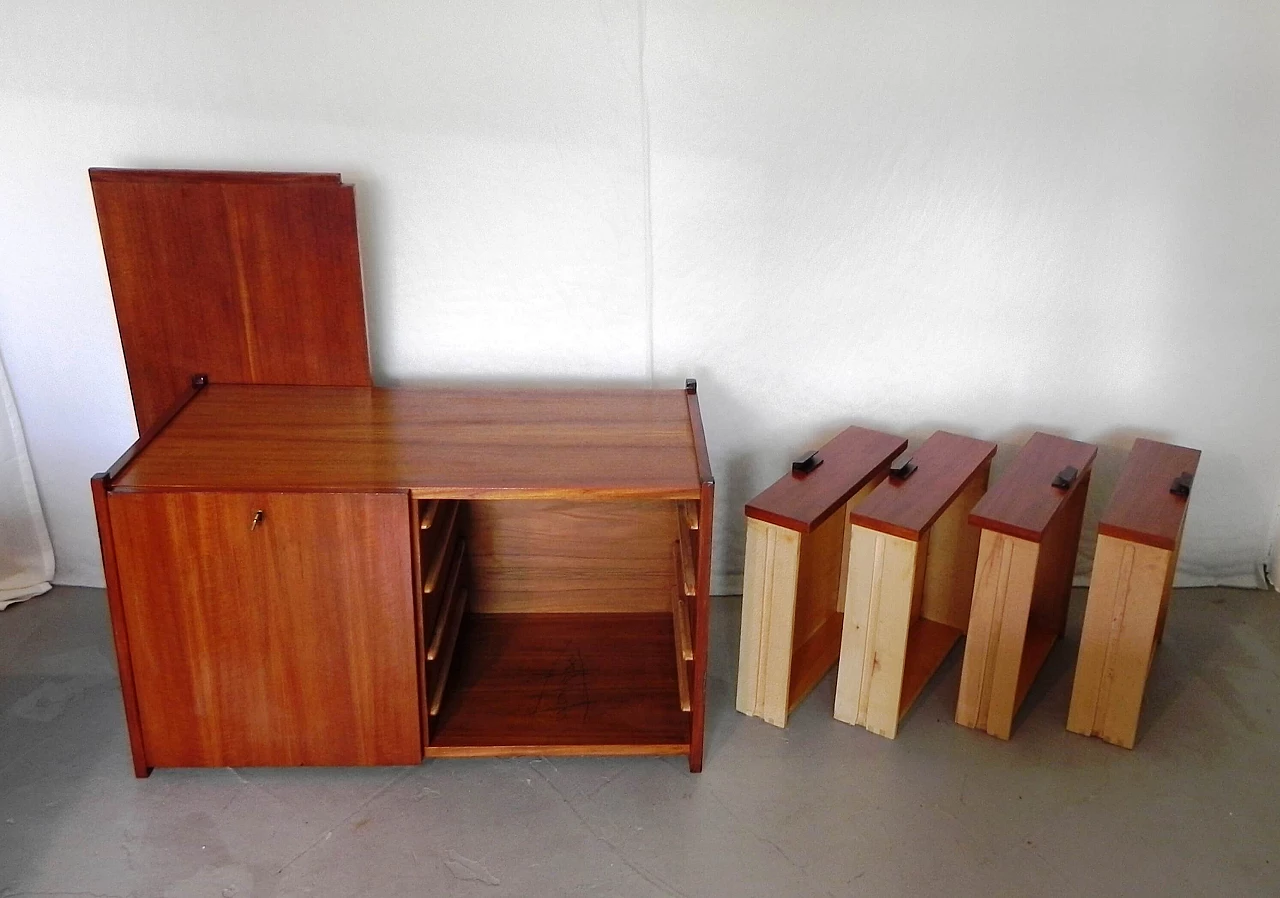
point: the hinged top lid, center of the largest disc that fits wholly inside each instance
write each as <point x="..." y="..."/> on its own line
<point x="1024" y="499"/>
<point x="800" y="501"/>
<point x="907" y="507"/>
<point x="249" y="277"/>
<point x="1144" y="507"/>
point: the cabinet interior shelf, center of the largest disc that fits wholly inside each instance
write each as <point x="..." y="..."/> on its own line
<point x="541" y="681"/>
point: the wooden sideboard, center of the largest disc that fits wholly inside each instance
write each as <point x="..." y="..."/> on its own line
<point x="329" y="575"/>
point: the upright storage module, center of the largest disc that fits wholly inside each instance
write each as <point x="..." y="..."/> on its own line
<point x="347" y="575"/>
<point x="305" y="569"/>
<point x="1139" y="537"/>
<point x="912" y="556"/>
<point x="794" y="582"/>
<point x="1030" y="524"/>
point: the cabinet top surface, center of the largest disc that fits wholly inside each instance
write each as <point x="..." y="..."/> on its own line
<point x="1024" y="500"/>
<point x="907" y="508"/>
<point x="1142" y="508"/>
<point x="445" y="442"/>
<point x="849" y="461"/>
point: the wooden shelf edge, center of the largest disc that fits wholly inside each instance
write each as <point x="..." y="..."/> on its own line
<point x="685" y="562"/>
<point x="452" y="601"/>
<point x="683" y="648"/>
<point x="431" y="579"/>
<point x="555" y="751"/>
<point x="670" y="492"/>
<point x="446" y="658"/>
<point x="682" y="681"/>
<point x="684" y="638"/>
<point x="689" y="515"/>
<point x="427" y="517"/>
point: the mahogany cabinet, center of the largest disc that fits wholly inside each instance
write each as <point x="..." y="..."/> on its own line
<point x="305" y="569"/>
<point x="309" y="575"/>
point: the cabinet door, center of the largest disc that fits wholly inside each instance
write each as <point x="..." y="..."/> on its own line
<point x="282" y="643"/>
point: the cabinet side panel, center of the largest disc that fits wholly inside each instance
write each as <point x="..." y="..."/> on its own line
<point x="289" y="643"/>
<point x="701" y="627"/>
<point x="119" y="629"/>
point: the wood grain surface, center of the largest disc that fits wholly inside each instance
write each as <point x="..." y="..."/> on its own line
<point x="552" y="556"/>
<point x="439" y="443"/>
<point x="1023" y="501"/>
<point x="701" y="620"/>
<point x="119" y="630"/>
<point x="1118" y="639"/>
<point x="1142" y="509"/>
<point x="770" y="577"/>
<point x="289" y="643"/>
<point x="562" y="680"/>
<point x="906" y="508"/>
<point x="850" y="461"/>
<point x="246" y="277"/>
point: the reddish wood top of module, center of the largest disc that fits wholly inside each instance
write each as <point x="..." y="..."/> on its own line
<point x="1142" y="509"/>
<point x="907" y="508"/>
<point x="1024" y="500"/>
<point x="849" y="461"/>
<point x="449" y="443"/>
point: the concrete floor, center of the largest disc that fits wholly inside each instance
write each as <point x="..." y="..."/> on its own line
<point x="817" y="809"/>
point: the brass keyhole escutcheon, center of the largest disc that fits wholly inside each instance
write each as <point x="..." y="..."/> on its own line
<point x="257" y="519"/>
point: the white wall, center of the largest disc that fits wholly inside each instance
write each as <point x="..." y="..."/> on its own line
<point x="986" y="216"/>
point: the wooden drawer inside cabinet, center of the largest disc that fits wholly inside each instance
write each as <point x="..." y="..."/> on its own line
<point x="270" y="629"/>
<point x="443" y="584"/>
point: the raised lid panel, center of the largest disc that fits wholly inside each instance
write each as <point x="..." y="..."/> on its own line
<point x="1024" y="501"/>
<point x="1142" y="509"/>
<point x="849" y="461"/>
<point x="248" y="277"/>
<point x="439" y="443"/>
<point x="906" y="508"/>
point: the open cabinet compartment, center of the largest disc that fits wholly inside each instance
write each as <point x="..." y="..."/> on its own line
<point x="554" y="625"/>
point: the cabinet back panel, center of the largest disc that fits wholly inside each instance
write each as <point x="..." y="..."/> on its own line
<point x="286" y="644"/>
<point x="572" y="557"/>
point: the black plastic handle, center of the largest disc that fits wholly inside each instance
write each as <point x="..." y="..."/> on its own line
<point x="806" y="463"/>
<point x="1066" y="477"/>
<point x="1181" y="485"/>
<point x="903" y="470"/>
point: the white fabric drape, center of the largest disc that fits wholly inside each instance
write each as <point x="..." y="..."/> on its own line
<point x="26" y="555"/>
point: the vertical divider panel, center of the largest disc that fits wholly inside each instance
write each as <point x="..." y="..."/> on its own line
<point x="417" y="511"/>
<point x="764" y="657"/>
